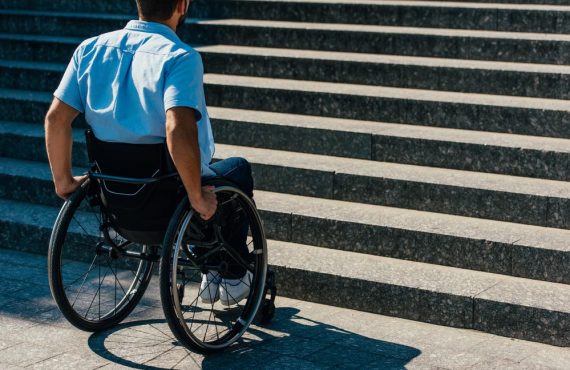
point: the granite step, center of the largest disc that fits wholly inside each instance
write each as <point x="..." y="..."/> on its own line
<point x="25" y="54"/>
<point x="507" y="248"/>
<point x="482" y="112"/>
<point x="437" y="14"/>
<point x="527" y="2"/>
<point x="491" y="196"/>
<point x="519" y="155"/>
<point x="411" y="41"/>
<point x="502" y="305"/>
<point x="532" y="116"/>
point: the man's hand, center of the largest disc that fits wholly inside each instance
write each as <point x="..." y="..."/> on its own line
<point x="206" y="203"/>
<point x="65" y="188"/>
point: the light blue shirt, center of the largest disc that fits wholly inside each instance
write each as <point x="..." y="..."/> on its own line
<point x="125" y="81"/>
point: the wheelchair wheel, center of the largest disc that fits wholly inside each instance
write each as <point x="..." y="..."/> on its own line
<point x="193" y="248"/>
<point x="96" y="277"/>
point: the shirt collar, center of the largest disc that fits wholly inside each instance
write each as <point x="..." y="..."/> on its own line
<point x="152" y="27"/>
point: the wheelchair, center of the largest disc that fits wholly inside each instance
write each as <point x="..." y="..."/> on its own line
<point x="131" y="215"/>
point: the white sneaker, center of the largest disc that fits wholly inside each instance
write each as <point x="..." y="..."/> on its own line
<point x="234" y="290"/>
<point x="209" y="292"/>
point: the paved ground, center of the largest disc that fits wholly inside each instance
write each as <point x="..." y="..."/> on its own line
<point x="302" y="336"/>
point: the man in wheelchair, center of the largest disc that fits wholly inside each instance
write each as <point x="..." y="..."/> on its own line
<point x="142" y="85"/>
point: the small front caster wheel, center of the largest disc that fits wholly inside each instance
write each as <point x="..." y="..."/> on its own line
<point x="267" y="311"/>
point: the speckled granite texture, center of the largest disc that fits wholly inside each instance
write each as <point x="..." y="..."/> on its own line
<point x="451" y="46"/>
<point x="404" y="165"/>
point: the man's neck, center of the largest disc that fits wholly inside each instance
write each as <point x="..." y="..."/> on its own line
<point x="170" y="23"/>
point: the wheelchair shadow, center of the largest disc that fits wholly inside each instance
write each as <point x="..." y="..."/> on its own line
<point x="290" y="341"/>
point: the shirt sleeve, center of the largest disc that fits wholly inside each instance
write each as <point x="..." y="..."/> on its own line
<point x="68" y="89"/>
<point x="184" y="84"/>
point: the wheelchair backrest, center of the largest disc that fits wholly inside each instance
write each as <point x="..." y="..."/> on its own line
<point x="136" y="187"/>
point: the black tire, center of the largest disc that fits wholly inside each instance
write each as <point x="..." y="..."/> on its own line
<point x="177" y="254"/>
<point x="76" y="242"/>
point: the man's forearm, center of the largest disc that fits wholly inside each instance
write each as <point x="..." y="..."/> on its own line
<point x="182" y="141"/>
<point x="59" y="141"/>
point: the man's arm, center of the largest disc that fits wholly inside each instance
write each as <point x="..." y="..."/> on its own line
<point x="59" y="141"/>
<point x="182" y="141"/>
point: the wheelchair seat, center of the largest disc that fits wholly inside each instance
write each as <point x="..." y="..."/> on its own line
<point x="137" y="186"/>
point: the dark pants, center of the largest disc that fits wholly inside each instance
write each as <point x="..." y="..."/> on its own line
<point x="237" y="170"/>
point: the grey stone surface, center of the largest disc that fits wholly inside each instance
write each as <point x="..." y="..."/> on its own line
<point x="373" y="39"/>
<point x="476" y="112"/>
<point x="391" y="143"/>
<point x="501" y="198"/>
<point x="423" y="79"/>
<point x="433" y="238"/>
<point x="540" y="117"/>
<point x="394" y="13"/>
<point x="545" y="81"/>
<point x="531" y="305"/>
<point x="303" y="335"/>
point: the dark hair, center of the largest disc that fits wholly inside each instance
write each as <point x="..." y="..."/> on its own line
<point x="159" y="10"/>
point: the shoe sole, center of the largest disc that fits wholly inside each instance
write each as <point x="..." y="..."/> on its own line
<point x="209" y="301"/>
<point x="207" y="298"/>
<point x="233" y="300"/>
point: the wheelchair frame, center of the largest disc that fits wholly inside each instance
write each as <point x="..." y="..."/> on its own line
<point x="148" y="256"/>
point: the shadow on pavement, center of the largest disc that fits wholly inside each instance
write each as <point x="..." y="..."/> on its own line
<point x="290" y="341"/>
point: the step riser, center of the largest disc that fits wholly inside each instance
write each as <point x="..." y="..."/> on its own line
<point x="386" y="299"/>
<point x="473" y="157"/>
<point x="376" y="14"/>
<point x="511" y="207"/>
<point x="490" y="256"/>
<point x="542" y="85"/>
<point x="38" y="51"/>
<point x="27" y="111"/>
<point x="532" y="51"/>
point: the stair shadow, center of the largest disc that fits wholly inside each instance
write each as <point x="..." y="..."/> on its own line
<point x="290" y="341"/>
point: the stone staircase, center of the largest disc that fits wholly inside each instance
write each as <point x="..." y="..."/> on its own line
<point x="412" y="159"/>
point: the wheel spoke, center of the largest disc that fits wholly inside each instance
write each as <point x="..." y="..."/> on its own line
<point x="97" y="293"/>
<point x="83" y="282"/>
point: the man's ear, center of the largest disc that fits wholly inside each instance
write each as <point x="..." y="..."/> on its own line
<point x="181" y="7"/>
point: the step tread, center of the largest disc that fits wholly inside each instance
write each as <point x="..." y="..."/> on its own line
<point x="425" y="31"/>
<point x="375" y="169"/>
<point x="336" y="27"/>
<point x="428" y="4"/>
<point x="388" y="92"/>
<point x="423" y="276"/>
<point x="393" y="129"/>
<point x="385" y="59"/>
<point x="434" y="4"/>
<point x="358" y="213"/>
<point x="380" y="270"/>
<point x="397" y="171"/>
